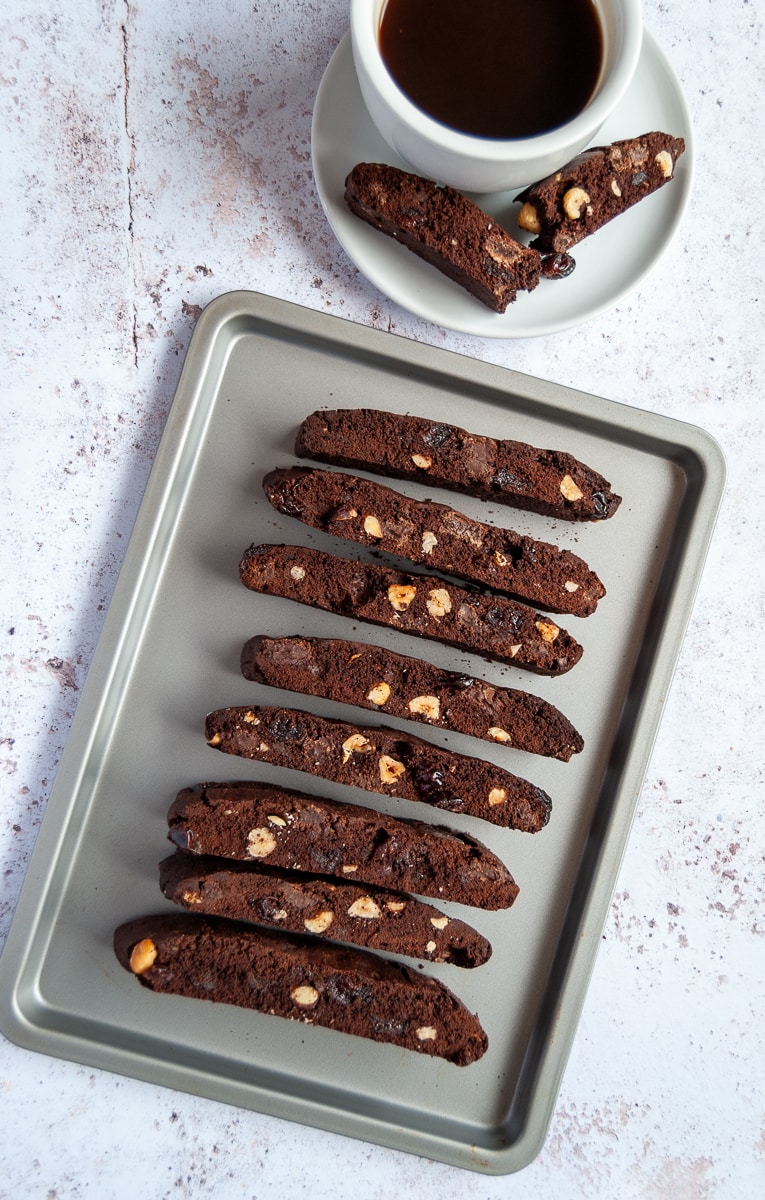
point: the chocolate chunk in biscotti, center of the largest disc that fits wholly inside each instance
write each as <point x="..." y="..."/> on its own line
<point x="596" y="186"/>
<point x="446" y="229"/>
<point x="281" y="827"/>
<point x="336" y="910"/>
<point x="550" y="482"/>
<point x="352" y="991"/>
<point x="422" y="605"/>
<point x="436" y="536"/>
<point x="372" y="677"/>
<point x="380" y="760"/>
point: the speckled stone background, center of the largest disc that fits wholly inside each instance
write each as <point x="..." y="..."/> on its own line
<point x="157" y="155"/>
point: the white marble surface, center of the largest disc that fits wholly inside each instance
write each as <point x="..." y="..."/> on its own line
<point x="157" y="155"/>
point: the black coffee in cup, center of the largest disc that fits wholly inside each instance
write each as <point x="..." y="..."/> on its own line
<point x="494" y="68"/>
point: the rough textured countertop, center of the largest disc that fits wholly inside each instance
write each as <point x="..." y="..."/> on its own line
<point x="156" y="156"/>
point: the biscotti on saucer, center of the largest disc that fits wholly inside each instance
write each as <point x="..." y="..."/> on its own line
<point x="398" y="685"/>
<point x="421" y="605"/>
<point x="447" y="230"/>
<point x="351" y="991"/>
<point x="372" y="917"/>
<point x="596" y="186"/>
<point x="551" y="482"/>
<point x="380" y="760"/>
<point x="282" y="827"/>
<point x="434" y="535"/>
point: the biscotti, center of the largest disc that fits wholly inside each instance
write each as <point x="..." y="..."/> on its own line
<point x="434" y="535"/>
<point x="374" y="918"/>
<point x="351" y="991"/>
<point x="596" y="186"/>
<point x="421" y="605"/>
<point x="550" y="482"/>
<point x="282" y="827"/>
<point x="446" y="229"/>
<point x="372" y="677"/>
<point x="379" y="760"/>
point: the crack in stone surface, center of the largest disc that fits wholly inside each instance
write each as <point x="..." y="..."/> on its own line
<point x="130" y="170"/>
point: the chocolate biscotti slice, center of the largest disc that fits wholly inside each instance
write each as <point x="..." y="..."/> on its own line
<point x="551" y="482"/>
<point x="596" y="186"/>
<point x="434" y="535"/>
<point x="351" y="991"/>
<point x="373" y="677"/>
<point x="422" y="605"/>
<point x="446" y="229"/>
<point x="379" y="760"/>
<point x="374" y="918"/>
<point x="282" y="827"/>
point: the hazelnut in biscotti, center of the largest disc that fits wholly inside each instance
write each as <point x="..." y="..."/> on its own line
<point x="381" y="760"/>
<point x="596" y="186"/>
<point x="436" y="536"/>
<point x="551" y="482"/>
<point x="339" y="910"/>
<point x="398" y="685"/>
<point x="447" y="230"/>
<point x="421" y="605"/>
<point x="351" y="991"/>
<point x="285" y="828"/>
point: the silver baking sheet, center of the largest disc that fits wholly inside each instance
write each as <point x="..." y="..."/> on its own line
<point x="169" y="652"/>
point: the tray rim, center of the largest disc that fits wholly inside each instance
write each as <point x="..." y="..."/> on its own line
<point x="21" y="1018"/>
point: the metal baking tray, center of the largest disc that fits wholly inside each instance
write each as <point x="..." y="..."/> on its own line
<point x="169" y="652"/>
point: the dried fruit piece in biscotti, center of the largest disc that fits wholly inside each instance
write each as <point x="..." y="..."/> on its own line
<point x="596" y="186"/>
<point x="352" y="991"/>
<point x="436" y="536"/>
<point x="380" y="760"/>
<point x="282" y="827"/>
<point x="551" y="482"/>
<point x="378" y="679"/>
<point x="335" y="909"/>
<point x="446" y="229"/>
<point x="422" y="605"/>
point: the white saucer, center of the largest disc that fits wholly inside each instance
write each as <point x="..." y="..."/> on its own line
<point x="608" y="264"/>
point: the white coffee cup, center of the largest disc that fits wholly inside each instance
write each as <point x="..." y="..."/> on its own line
<point x="477" y="164"/>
